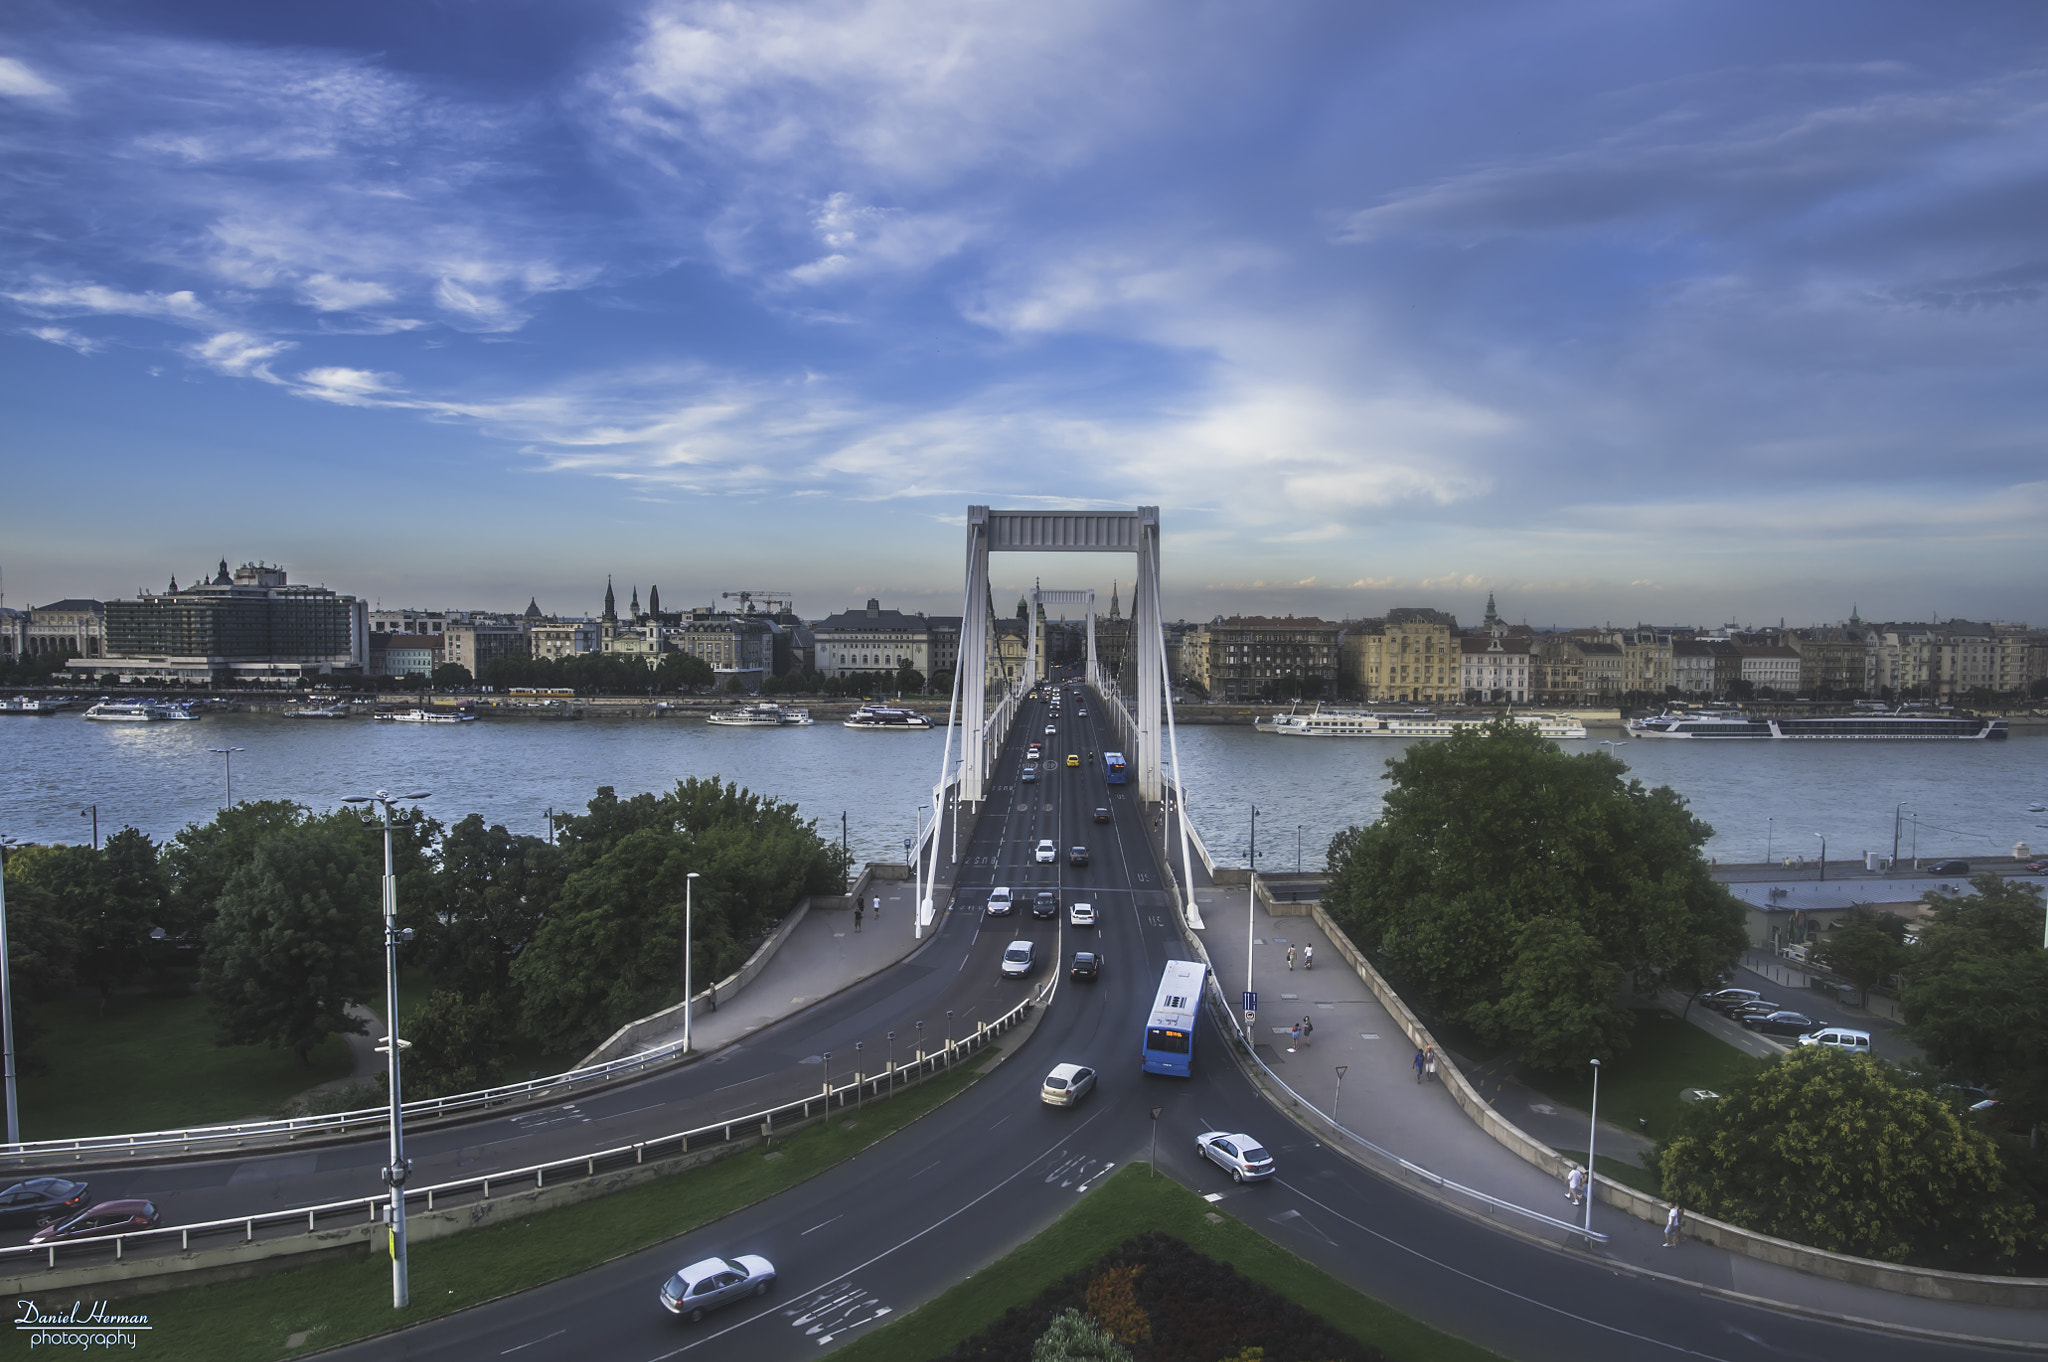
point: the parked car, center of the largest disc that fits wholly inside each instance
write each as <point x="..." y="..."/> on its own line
<point x="1781" y="1023"/>
<point x="1000" y="901"/>
<point x="1081" y="915"/>
<point x="1721" y="999"/>
<point x="42" y="1201"/>
<point x="109" y="1217"/>
<point x="1077" y="855"/>
<point x="1840" y="1037"/>
<point x="1102" y="815"/>
<point x="1047" y="853"/>
<point x="2039" y="867"/>
<point x="1949" y="868"/>
<point x="1087" y="966"/>
<point x="1045" y="903"/>
<point x="1244" y="1158"/>
<point x="1760" y="1008"/>
<point x="715" y="1282"/>
<point x="1018" y="958"/>
<point x="1066" y="1085"/>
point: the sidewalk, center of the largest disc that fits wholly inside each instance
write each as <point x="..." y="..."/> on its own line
<point x="1382" y="1103"/>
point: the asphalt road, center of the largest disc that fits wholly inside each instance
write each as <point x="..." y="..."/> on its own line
<point x="944" y="1198"/>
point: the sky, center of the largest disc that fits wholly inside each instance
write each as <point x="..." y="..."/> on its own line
<point x="1671" y="313"/>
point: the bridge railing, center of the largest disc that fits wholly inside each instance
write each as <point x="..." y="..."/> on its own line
<point x="370" y="1209"/>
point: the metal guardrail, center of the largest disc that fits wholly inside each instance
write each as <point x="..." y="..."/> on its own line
<point x="373" y="1208"/>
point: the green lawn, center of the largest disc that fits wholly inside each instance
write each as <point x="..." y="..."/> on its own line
<point x="1668" y="1055"/>
<point x="333" y="1303"/>
<point x="1133" y="1201"/>
<point x="151" y="1064"/>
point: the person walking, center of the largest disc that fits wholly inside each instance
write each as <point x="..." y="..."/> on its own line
<point x="1290" y="957"/>
<point x="1575" y="1187"/>
<point x="1674" y="1225"/>
<point x="1294" y="1036"/>
<point x="1429" y="1062"/>
<point x="1308" y="1028"/>
<point x="856" y="917"/>
<point x="1309" y="957"/>
<point x="878" y="907"/>
<point x="1418" y="1066"/>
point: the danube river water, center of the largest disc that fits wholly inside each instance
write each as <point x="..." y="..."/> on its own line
<point x="1971" y="797"/>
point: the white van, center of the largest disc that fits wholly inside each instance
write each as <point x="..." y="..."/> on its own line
<point x="1841" y="1037"/>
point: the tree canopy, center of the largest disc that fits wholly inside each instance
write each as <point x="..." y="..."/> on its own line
<point x="1833" y="1150"/>
<point x="1976" y="994"/>
<point x="1515" y="887"/>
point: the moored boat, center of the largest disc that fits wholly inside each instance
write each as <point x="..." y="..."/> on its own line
<point x="764" y="714"/>
<point x="26" y="704"/>
<point x="1728" y="724"/>
<point x="885" y="717"/>
<point x="127" y="712"/>
<point x="1365" y="723"/>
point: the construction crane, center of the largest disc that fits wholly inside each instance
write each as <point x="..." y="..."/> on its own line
<point x="771" y="602"/>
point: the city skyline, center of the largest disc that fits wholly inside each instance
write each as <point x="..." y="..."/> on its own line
<point x="1710" y="314"/>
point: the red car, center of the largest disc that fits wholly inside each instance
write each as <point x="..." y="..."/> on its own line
<point x="2038" y="867"/>
<point x="109" y="1217"/>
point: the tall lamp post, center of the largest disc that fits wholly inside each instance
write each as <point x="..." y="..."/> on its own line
<point x="1897" y="817"/>
<point x="1823" y="857"/>
<point x="1251" y="913"/>
<point x="1592" y="1133"/>
<point x="689" y="889"/>
<point x="1770" y="828"/>
<point x="7" y="1003"/>
<point x="93" y="810"/>
<point x="227" y="794"/>
<point x="396" y="1172"/>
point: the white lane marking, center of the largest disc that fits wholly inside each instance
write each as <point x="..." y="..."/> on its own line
<point x="1029" y="1164"/>
<point x="926" y="1169"/>
<point x="530" y="1342"/>
<point x="743" y="1083"/>
<point x="1494" y="1286"/>
<point x="822" y="1224"/>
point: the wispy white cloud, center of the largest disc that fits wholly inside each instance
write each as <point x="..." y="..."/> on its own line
<point x="66" y="337"/>
<point x="19" y="81"/>
<point x="77" y="300"/>
<point x="239" y="354"/>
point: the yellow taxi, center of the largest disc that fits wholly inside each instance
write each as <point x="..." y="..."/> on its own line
<point x="1073" y="760"/>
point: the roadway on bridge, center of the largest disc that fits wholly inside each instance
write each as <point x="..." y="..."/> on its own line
<point x="875" y="1237"/>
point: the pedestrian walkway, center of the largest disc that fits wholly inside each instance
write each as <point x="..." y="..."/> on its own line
<point x="1382" y="1103"/>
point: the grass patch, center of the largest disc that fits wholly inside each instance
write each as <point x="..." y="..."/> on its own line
<point x="1667" y="1056"/>
<point x="151" y="1064"/>
<point x="337" y="1302"/>
<point x="1621" y="1170"/>
<point x="1131" y="1201"/>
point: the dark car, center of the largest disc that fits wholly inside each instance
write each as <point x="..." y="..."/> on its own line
<point x="109" y="1217"/>
<point x="1077" y="855"/>
<point x="1762" y="1007"/>
<point x="1724" y="998"/>
<point x="1045" y="903"/>
<point x="1087" y="965"/>
<point x="1781" y="1023"/>
<point x="1950" y="868"/>
<point x="1102" y="815"/>
<point x="42" y="1201"/>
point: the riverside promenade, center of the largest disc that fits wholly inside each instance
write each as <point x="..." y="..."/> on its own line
<point x="1381" y="1103"/>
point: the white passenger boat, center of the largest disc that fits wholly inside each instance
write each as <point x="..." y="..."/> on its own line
<point x="1365" y="723"/>
<point x="1726" y="724"/>
<point x="337" y="709"/>
<point x="29" y="705"/>
<point x="765" y="714"/>
<point x="432" y="716"/>
<point x="883" y="717"/>
<point x="127" y="712"/>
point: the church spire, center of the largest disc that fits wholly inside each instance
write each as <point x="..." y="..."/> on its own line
<point x="611" y="602"/>
<point x="1113" y="611"/>
<point x="635" y="606"/>
<point x="653" y="600"/>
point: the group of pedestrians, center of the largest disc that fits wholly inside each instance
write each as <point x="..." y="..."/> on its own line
<point x="1575" y="1191"/>
<point x="1425" y="1064"/>
<point x="1308" y="957"/>
<point x="1303" y="1029"/>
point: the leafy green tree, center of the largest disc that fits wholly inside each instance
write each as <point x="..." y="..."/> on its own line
<point x="456" y="1045"/>
<point x="452" y="676"/>
<point x="497" y="888"/>
<point x="295" y="942"/>
<point x="682" y="672"/>
<point x="1835" y="1151"/>
<point x="909" y="679"/>
<point x="110" y="899"/>
<point x="1864" y="953"/>
<point x="1976" y="992"/>
<point x="201" y="859"/>
<point x="1493" y="830"/>
<point x="942" y="681"/>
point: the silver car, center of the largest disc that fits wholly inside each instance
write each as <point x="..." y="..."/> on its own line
<point x="1018" y="958"/>
<point x="1238" y="1155"/>
<point x="715" y="1282"/>
<point x="1066" y="1085"/>
<point x="1000" y="901"/>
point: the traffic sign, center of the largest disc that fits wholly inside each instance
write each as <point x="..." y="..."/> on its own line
<point x="1251" y="1000"/>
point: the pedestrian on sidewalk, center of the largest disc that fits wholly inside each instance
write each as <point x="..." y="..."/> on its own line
<point x="1309" y="952"/>
<point x="878" y="907"/>
<point x="1308" y="1028"/>
<point x="856" y="917"/>
<point x="1575" y="1187"/>
<point x="1294" y="1037"/>
<point x="1674" y="1225"/>
<point x="1290" y="957"/>
<point x="1429" y="1062"/>
<point x="1418" y="1066"/>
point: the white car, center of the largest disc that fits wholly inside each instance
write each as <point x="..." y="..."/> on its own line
<point x="1238" y="1155"/>
<point x="1080" y="915"/>
<point x="1066" y="1085"/>
<point x="715" y="1282"/>
<point x="1052" y="728"/>
<point x="1047" y="853"/>
<point x="1018" y="958"/>
<point x="1000" y="901"/>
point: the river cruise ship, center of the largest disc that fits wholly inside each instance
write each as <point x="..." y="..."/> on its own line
<point x="1364" y="723"/>
<point x="883" y="717"/>
<point x="766" y="714"/>
<point x="28" y="704"/>
<point x="431" y="716"/>
<point x="128" y="712"/>
<point x="1728" y="724"/>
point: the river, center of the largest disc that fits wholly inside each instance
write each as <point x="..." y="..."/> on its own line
<point x="1971" y="797"/>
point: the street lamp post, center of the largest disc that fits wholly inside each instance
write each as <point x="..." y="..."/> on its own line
<point x="1592" y="1133"/>
<point x="94" y="811"/>
<point x="859" y="1078"/>
<point x="892" y="1061"/>
<point x="1896" y="819"/>
<point x="1251" y="913"/>
<point x="395" y="1174"/>
<point x="227" y="794"/>
<point x="828" y="1080"/>
<point x="689" y="888"/>
<point x="920" y="1042"/>
<point x="1770" y="828"/>
<point x="949" y="1028"/>
<point x="1823" y="857"/>
<point x="7" y="1004"/>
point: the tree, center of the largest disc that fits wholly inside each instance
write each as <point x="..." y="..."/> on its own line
<point x="201" y="859"/>
<point x="1493" y="830"/>
<point x="497" y="888"/>
<point x="109" y="899"/>
<point x="1864" y="953"/>
<point x="942" y="681"/>
<point x="909" y="680"/>
<point x="1976" y="993"/>
<point x="452" y="676"/>
<point x="295" y="942"/>
<point x="456" y="1045"/>
<point x="1833" y="1150"/>
<point x="683" y="671"/>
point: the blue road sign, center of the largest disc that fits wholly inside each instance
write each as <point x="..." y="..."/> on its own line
<point x="1251" y="1001"/>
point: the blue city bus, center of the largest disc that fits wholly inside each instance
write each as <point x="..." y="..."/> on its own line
<point x="1169" y="1042"/>
<point x="1113" y="767"/>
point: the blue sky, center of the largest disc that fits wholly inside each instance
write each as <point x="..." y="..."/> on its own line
<point x="1673" y="312"/>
